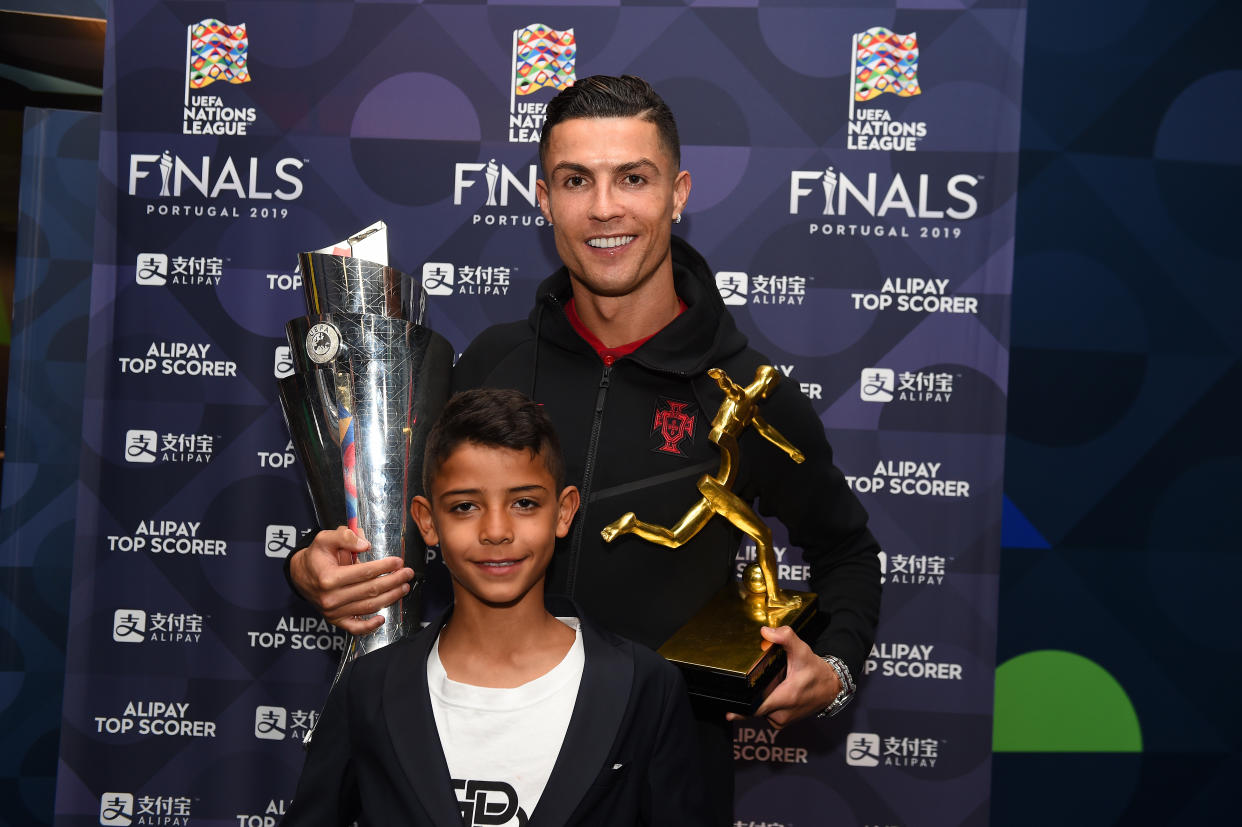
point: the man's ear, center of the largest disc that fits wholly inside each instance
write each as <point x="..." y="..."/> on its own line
<point x="567" y="505"/>
<point x="681" y="192"/>
<point x="420" y="510"/>
<point x="541" y="195"/>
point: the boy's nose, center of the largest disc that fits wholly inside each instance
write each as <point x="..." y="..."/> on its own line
<point x="495" y="529"/>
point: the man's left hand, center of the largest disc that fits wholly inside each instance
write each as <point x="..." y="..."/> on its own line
<point x="808" y="687"/>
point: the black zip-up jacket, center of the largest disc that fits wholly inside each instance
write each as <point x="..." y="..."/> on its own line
<point x="609" y="421"/>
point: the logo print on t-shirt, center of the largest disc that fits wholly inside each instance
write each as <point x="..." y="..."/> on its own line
<point x="488" y="804"/>
<point x="674" y="422"/>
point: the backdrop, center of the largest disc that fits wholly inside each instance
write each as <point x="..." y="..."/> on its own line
<point x="854" y="189"/>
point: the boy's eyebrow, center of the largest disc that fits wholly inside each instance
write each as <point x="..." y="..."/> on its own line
<point x="532" y="487"/>
<point x="458" y="492"/>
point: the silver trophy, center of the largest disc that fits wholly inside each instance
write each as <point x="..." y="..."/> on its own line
<point x="369" y="379"/>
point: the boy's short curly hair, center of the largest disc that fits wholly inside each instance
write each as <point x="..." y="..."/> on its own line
<point x="493" y="417"/>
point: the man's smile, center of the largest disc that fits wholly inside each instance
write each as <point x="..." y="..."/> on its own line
<point x="609" y="242"/>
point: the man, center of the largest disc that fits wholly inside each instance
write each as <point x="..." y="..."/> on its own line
<point x="623" y="336"/>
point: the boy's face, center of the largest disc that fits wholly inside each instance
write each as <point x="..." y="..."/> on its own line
<point x="495" y="514"/>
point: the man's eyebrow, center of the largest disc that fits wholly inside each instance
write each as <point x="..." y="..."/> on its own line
<point x="627" y="167"/>
<point x="641" y="163"/>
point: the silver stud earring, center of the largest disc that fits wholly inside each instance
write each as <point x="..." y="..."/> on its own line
<point x="677" y="218"/>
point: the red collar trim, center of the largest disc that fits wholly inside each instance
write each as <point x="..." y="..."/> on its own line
<point x="608" y="354"/>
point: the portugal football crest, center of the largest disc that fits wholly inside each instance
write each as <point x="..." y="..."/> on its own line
<point x="673" y="426"/>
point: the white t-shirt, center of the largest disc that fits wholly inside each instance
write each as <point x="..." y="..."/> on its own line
<point x="500" y="744"/>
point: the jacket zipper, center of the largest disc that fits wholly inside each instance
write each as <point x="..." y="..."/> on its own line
<point x="588" y="471"/>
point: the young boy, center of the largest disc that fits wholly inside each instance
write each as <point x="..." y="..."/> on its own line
<point x="502" y="712"/>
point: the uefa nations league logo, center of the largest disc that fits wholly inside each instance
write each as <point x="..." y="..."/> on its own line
<point x="884" y="62"/>
<point x="543" y="58"/>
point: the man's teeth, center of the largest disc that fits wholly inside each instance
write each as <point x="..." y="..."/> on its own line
<point x="499" y="563"/>
<point x="615" y="241"/>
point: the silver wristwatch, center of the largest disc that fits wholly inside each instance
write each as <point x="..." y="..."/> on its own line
<point x="847" y="686"/>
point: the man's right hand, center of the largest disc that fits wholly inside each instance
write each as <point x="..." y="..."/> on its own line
<point x="346" y="592"/>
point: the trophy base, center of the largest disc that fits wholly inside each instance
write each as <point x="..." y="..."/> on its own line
<point x="724" y="659"/>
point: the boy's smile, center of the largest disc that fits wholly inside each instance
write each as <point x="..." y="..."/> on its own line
<point x="496" y="515"/>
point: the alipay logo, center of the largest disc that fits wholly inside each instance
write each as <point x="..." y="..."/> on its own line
<point x="877" y="385"/>
<point x="279" y="540"/>
<point x="438" y="278"/>
<point x="283" y="365"/>
<point x="733" y="287"/>
<point x="862" y="749"/>
<point x="116" y="809"/>
<point x="270" y="723"/>
<point x="129" y="625"/>
<point x="152" y="269"/>
<point x="140" y="446"/>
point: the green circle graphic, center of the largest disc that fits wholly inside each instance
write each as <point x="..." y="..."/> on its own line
<point x="1054" y="701"/>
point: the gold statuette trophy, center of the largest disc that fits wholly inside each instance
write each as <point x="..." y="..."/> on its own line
<point x="721" y="654"/>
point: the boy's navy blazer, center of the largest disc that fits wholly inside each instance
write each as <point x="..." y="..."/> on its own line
<point x="630" y="754"/>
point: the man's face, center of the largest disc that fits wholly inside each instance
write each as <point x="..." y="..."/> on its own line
<point x="611" y="192"/>
<point x="496" y="514"/>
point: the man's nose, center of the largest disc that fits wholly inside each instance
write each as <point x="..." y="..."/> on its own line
<point x="604" y="204"/>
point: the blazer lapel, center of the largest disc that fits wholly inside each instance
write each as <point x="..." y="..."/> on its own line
<point x="407" y="707"/>
<point x="599" y="709"/>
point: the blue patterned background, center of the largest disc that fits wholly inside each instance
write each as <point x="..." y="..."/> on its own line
<point x="1122" y="449"/>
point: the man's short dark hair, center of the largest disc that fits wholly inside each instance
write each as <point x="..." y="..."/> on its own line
<point x="604" y="96"/>
<point x="494" y="418"/>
